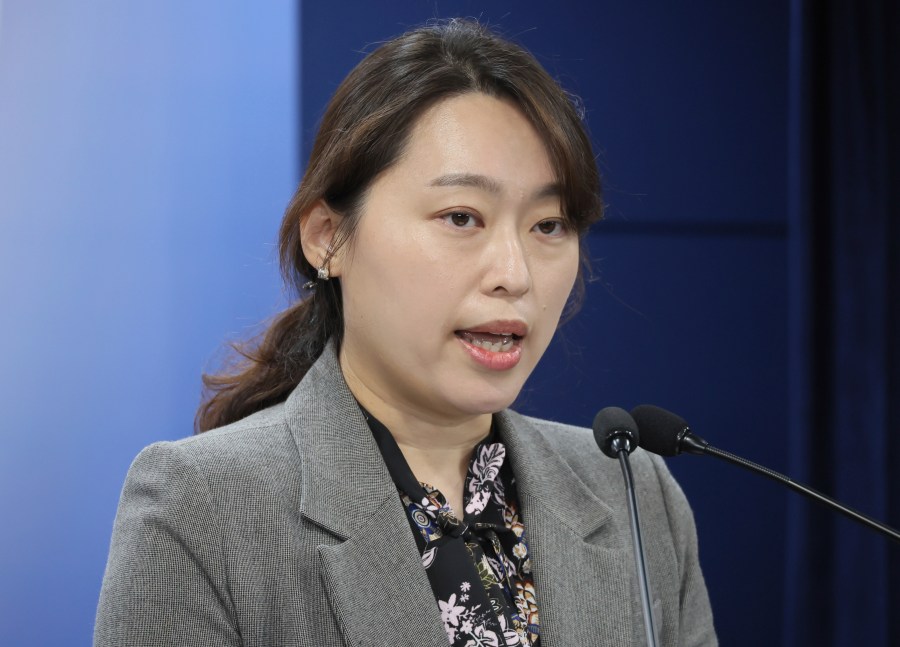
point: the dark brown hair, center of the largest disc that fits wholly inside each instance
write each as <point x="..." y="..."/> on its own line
<point x="363" y="132"/>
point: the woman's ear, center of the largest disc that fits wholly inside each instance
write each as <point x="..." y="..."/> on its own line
<point x="318" y="227"/>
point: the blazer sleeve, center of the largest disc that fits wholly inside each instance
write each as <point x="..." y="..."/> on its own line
<point x="166" y="581"/>
<point x="696" y="627"/>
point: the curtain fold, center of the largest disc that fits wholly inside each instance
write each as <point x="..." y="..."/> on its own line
<point x="843" y="581"/>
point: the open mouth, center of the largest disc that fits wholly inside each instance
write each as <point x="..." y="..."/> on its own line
<point x="494" y="342"/>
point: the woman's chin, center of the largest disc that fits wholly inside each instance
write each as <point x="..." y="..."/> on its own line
<point x="486" y="400"/>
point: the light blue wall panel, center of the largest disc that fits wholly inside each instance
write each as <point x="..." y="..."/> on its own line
<point x="147" y="151"/>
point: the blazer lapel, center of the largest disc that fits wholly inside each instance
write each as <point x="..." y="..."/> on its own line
<point x="378" y="586"/>
<point x="583" y="570"/>
<point x="373" y="572"/>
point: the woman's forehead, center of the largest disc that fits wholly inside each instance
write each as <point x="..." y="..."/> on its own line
<point x="477" y="140"/>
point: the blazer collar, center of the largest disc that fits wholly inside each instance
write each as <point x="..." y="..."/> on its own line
<point x="373" y="572"/>
<point x="345" y="481"/>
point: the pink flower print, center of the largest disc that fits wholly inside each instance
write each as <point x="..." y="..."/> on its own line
<point x="429" y="505"/>
<point x="449" y="611"/>
<point x="511" y="637"/>
<point x="451" y="633"/>
<point x="465" y="586"/>
<point x="483" y="637"/>
<point x="485" y="470"/>
<point x="478" y="501"/>
<point x="488" y="462"/>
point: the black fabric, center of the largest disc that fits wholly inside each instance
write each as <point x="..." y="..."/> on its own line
<point x="843" y="581"/>
<point x="478" y="566"/>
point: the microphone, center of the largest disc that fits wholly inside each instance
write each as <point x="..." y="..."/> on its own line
<point x="667" y="434"/>
<point x="617" y="436"/>
<point x="615" y="431"/>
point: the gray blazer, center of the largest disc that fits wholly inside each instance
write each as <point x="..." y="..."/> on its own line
<point x="285" y="529"/>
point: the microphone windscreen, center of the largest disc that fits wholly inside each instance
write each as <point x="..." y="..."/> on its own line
<point x="661" y="430"/>
<point x="611" y="422"/>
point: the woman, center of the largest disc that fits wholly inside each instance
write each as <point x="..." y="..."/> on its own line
<point x="365" y="483"/>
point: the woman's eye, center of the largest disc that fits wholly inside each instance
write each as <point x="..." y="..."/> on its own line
<point x="551" y="227"/>
<point x="460" y="219"/>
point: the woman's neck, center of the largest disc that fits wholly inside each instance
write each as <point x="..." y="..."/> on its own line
<point x="438" y="450"/>
<point x="437" y="454"/>
<point x="441" y="466"/>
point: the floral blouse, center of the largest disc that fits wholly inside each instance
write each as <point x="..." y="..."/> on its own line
<point x="479" y="566"/>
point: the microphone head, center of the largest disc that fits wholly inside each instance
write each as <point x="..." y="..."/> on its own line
<point x="661" y="431"/>
<point x="615" y="431"/>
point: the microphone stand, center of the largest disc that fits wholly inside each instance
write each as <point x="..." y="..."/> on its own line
<point x="695" y="445"/>
<point x="619" y="445"/>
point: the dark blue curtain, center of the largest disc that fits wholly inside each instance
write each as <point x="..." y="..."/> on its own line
<point x="843" y="581"/>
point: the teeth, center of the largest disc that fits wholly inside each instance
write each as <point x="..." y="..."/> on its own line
<point x="496" y="347"/>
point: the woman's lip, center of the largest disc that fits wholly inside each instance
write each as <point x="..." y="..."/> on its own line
<point x="500" y="327"/>
<point x="494" y="360"/>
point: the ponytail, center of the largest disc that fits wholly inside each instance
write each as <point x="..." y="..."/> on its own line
<point x="272" y="365"/>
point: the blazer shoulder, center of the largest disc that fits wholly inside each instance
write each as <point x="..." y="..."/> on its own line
<point x="565" y="438"/>
<point x="254" y="437"/>
<point x="257" y="449"/>
<point x="190" y="512"/>
<point x="576" y="445"/>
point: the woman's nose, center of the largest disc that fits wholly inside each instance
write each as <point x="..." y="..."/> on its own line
<point x="507" y="269"/>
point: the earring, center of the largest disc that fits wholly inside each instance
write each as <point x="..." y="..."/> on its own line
<point x="321" y="274"/>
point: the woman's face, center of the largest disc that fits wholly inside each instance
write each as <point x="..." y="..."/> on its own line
<point x="460" y="267"/>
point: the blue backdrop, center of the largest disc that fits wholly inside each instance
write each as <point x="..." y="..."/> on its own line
<point x="147" y="151"/>
<point x="147" y="155"/>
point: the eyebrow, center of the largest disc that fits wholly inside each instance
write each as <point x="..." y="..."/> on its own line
<point x="490" y="185"/>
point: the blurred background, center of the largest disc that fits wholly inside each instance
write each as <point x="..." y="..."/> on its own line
<point x="746" y="275"/>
